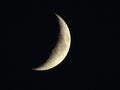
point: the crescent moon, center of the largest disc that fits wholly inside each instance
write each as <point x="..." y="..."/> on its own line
<point x="60" y="51"/>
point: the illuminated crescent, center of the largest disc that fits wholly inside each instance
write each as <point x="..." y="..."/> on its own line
<point x="61" y="49"/>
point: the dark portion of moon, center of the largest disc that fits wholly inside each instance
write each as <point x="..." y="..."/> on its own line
<point x="44" y="38"/>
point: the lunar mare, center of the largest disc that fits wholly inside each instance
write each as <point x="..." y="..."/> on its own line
<point x="61" y="49"/>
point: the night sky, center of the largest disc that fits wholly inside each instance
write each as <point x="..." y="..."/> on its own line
<point x="92" y="62"/>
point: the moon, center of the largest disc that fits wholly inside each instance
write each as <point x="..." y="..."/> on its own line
<point x="61" y="49"/>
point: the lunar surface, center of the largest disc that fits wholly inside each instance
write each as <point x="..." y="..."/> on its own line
<point x="61" y="49"/>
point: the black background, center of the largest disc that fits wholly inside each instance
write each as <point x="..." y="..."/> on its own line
<point x="92" y="62"/>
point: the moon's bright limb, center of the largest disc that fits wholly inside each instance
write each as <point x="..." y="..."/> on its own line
<point x="61" y="49"/>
